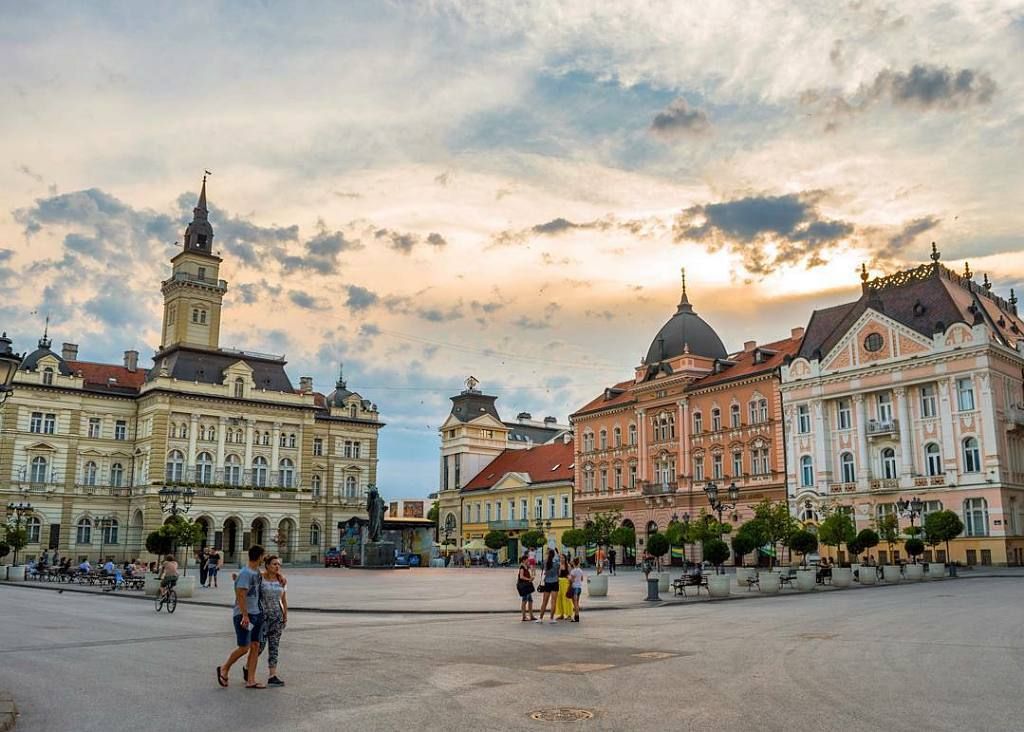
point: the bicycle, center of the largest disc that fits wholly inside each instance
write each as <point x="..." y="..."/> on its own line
<point x="170" y="598"/>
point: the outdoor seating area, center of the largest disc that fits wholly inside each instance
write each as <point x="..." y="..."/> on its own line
<point x="95" y="577"/>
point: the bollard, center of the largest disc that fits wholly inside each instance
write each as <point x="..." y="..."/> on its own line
<point x="652" y="590"/>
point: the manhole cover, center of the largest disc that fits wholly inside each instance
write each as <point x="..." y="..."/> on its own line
<point x="561" y="715"/>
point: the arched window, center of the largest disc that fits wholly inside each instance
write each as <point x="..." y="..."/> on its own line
<point x="287" y="479"/>
<point x="282" y="440"/>
<point x="211" y="434"/>
<point x="239" y="387"/>
<point x="48" y="376"/>
<point x="109" y="529"/>
<point x="175" y="466"/>
<point x="314" y="534"/>
<point x="933" y="459"/>
<point x="291" y="440"/>
<point x="602" y="439"/>
<point x="316" y="483"/>
<point x="806" y="472"/>
<point x="632" y="434"/>
<point x="972" y="455"/>
<point x="40" y="474"/>
<point x="204" y="468"/>
<point x="83" y="535"/>
<point x="588" y="441"/>
<point x="184" y="431"/>
<point x="617" y="437"/>
<point x="33" y="527"/>
<point x="116" y="475"/>
<point x="259" y="471"/>
<point x="889" y="463"/>
<point x="351" y="484"/>
<point x="233" y="470"/>
<point x="89" y="473"/>
<point x="846" y="468"/>
<point x="976" y="517"/>
<point x="202" y="432"/>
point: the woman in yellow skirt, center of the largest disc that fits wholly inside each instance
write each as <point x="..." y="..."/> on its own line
<point x="563" y="606"/>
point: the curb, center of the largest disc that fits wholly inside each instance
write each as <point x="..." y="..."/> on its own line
<point x="8" y="712"/>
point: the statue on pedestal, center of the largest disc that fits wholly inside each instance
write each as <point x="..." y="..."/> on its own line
<point x="375" y="513"/>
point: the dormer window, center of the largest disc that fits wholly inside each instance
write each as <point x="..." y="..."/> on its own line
<point x="352" y="411"/>
<point x="48" y="376"/>
<point x="239" y="387"/>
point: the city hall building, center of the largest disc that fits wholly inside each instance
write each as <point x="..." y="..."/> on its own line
<point x="89" y="445"/>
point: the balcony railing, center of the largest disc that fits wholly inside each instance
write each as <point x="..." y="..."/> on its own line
<point x="509" y="525"/>
<point x="878" y="428"/>
<point x="92" y="489"/>
<point x="1015" y="416"/>
<point x="648" y="488"/>
<point x="187" y="277"/>
<point x="261" y="479"/>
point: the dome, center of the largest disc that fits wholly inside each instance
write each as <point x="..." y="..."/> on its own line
<point x="685" y="332"/>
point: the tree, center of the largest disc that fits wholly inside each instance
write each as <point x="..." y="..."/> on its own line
<point x="888" y="527"/>
<point x="657" y="545"/>
<point x="435" y="511"/>
<point x="802" y="542"/>
<point x="742" y="544"/>
<point x="599" y="528"/>
<point x="942" y="526"/>
<point x="837" y="529"/>
<point x="624" y="536"/>
<point x="17" y="539"/>
<point x="496" y="540"/>
<point x="778" y="524"/>
<point x="533" y="539"/>
<point x="914" y="547"/>
<point x="854" y="548"/>
<point x="159" y="542"/>
<point x="574" y="538"/>
<point x="716" y="552"/>
<point x="867" y="540"/>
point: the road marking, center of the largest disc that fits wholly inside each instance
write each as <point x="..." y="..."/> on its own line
<point x="576" y="668"/>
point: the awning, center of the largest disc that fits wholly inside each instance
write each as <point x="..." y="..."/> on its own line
<point x="477" y="545"/>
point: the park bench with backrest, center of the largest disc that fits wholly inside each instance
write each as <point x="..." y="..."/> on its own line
<point x="690" y="579"/>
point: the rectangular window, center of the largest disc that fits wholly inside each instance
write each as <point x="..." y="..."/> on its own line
<point x="803" y="419"/>
<point x="523" y="510"/>
<point x="477" y="513"/>
<point x="698" y="423"/>
<point x="355" y="449"/>
<point x="348" y="448"/>
<point x="928" y="405"/>
<point x="632" y="477"/>
<point x="487" y="512"/>
<point x="965" y="394"/>
<point x="604" y="479"/>
<point x="201" y="273"/>
<point x="94" y="427"/>
<point x="716" y="420"/>
<point x="885" y="408"/>
<point x="120" y="430"/>
<point x="497" y="511"/>
<point x="618" y="478"/>
<point x="50" y="424"/>
<point x="604" y="440"/>
<point x="752" y="408"/>
<point x="487" y="434"/>
<point x="318" y="447"/>
<point x="36" y="423"/>
<point x="565" y="506"/>
<point x="458" y="471"/>
<point x="588" y="481"/>
<point x="843" y="421"/>
<point x="698" y="469"/>
<point x="551" y="507"/>
<point x="734" y="415"/>
<point x="716" y="467"/>
<point x="737" y="464"/>
<point x="511" y="510"/>
<point x="762" y="407"/>
<point x="538" y="508"/>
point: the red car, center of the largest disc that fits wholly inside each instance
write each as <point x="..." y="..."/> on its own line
<point x="332" y="557"/>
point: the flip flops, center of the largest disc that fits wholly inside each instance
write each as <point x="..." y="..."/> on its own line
<point x="255" y="686"/>
<point x="221" y="679"/>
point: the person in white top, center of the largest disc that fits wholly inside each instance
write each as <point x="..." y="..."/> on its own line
<point x="576" y="581"/>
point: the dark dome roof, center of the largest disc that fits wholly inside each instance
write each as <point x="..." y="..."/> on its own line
<point x="685" y="332"/>
<point x="31" y="361"/>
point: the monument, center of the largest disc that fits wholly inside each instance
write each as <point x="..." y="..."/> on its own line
<point x="379" y="554"/>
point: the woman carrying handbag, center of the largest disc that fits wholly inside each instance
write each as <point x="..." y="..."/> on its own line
<point x="524" y="585"/>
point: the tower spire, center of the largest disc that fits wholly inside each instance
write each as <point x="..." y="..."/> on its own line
<point x="684" y="301"/>
<point x="341" y="375"/>
<point x="44" y="342"/>
<point x="201" y="205"/>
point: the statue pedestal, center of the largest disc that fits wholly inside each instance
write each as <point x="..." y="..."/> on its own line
<point x="379" y="555"/>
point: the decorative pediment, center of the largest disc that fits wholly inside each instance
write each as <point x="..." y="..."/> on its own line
<point x="238" y="368"/>
<point x="512" y="480"/>
<point x="41" y="447"/>
<point x="800" y="368"/>
<point x="874" y="337"/>
<point x="958" y="334"/>
<point x="484" y="421"/>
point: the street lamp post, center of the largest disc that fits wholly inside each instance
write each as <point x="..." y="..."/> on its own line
<point x="911" y="509"/>
<point x="449" y="527"/>
<point x="18" y="510"/>
<point x="9" y="364"/>
<point x="717" y="505"/>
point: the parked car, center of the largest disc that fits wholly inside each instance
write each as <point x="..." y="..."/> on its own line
<point x="332" y="557"/>
<point x="407" y="559"/>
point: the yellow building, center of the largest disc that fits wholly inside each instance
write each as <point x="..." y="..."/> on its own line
<point x="90" y="445"/>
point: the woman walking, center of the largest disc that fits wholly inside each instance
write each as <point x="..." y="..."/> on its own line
<point x="524" y="585"/>
<point x="576" y="589"/>
<point x="549" y="589"/>
<point x="563" y="605"/>
<point x="275" y="613"/>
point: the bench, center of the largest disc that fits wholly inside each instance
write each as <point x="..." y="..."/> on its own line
<point x="689" y="580"/>
<point x="753" y="581"/>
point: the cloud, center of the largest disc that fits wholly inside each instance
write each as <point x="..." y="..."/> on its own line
<point x="396" y="240"/>
<point x="369" y="330"/>
<point x="443" y="179"/>
<point x="927" y="86"/>
<point x="527" y="323"/>
<point x="600" y="315"/>
<point x="436" y="240"/>
<point x="321" y="252"/>
<point x="907" y="234"/>
<point x="679" y="120"/>
<point x="305" y="300"/>
<point x="438" y="315"/>
<point x="348" y="194"/>
<point x="643" y="227"/>
<point x="766" y="231"/>
<point x="555" y="226"/>
<point x="360" y="298"/>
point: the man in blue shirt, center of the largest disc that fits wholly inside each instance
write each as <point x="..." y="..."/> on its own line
<point x="248" y="621"/>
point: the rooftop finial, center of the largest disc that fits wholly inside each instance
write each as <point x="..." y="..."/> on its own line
<point x="967" y="271"/>
<point x="341" y="375"/>
<point x="935" y="253"/>
<point x="986" y="284"/>
<point x="44" y="342"/>
<point x="863" y="272"/>
<point x="1013" y="297"/>
<point x="471" y="383"/>
<point x="684" y="301"/>
<point x="682" y="273"/>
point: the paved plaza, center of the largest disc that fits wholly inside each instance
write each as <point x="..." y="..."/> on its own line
<point x="937" y="656"/>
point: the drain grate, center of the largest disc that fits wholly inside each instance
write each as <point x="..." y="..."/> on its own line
<point x="561" y="714"/>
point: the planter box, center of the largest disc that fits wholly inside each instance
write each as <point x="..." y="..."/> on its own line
<point x="805" y="580"/>
<point x="842" y="577"/>
<point x="935" y="571"/>
<point x="769" y="583"/>
<point x="718" y="585"/>
<point x="597" y="585"/>
<point x="3" y="571"/>
<point x="16" y="573"/>
<point x="854" y="566"/>
<point x="914" y="572"/>
<point x="743" y="574"/>
<point x="868" y="575"/>
<point x="891" y="574"/>
<point x="664" y="580"/>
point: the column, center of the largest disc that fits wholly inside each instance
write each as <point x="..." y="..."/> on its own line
<point x="275" y="455"/>
<point x="641" y="445"/>
<point x="821" y="454"/>
<point x="190" y="459"/>
<point x="247" y="468"/>
<point x="683" y="470"/>
<point x="989" y="437"/>
<point x="792" y="459"/>
<point x="863" y="472"/>
<point x="946" y="389"/>
<point x="906" y="446"/>
<point x="222" y="429"/>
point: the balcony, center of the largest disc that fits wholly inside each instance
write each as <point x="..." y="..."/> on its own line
<point x="649" y="488"/>
<point x="1015" y="417"/>
<point x="884" y="484"/>
<point x="878" y="428"/>
<point x="510" y="525"/>
<point x="208" y="282"/>
<point x="92" y="489"/>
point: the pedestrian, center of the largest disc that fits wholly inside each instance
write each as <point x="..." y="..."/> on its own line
<point x="563" y="603"/>
<point x="599" y="560"/>
<point x="549" y="587"/>
<point x="204" y="563"/>
<point x="611" y="560"/>
<point x="275" y="613"/>
<point x="247" y="620"/>
<point x="576" y="580"/>
<point x="533" y="558"/>
<point x="524" y="586"/>
<point x="213" y="565"/>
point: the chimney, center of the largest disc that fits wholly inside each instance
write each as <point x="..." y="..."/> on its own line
<point x="550" y="420"/>
<point x="305" y="384"/>
<point x="524" y="415"/>
<point x="797" y="332"/>
<point x="131" y="360"/>
<point x="69" y="351"/>
<point x="749" y="346"/>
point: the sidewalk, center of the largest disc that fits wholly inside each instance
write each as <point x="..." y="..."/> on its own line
<point x="8" y="711"/>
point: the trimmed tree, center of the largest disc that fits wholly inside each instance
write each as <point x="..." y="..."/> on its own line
<point x="867" y="539"/>
<point x="159" y="542"/>
<point x="17" y="539"/>
<point x="533" y="539"/>
<point x="837" y="529"/>
<point x="742" y="545"/>
<point x="854" y="548"/>
<point x="716" y="552"/>
<point x="657" y="546"/>
<point x="624" y="536"/>
<point x="5" y="549"/>
<point x="574" y="539"/>
<point x="802" y="542"/>
<point x="599" y="528"/>
<point x="942" y="526"/>
<point x="777" y="521"/>
<point x="914" y="548"/>
<point x="496" y="540"/>
<point x="888" y="527"/>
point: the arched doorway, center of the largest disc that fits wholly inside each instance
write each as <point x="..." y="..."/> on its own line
<point x="258" y="532"/>
<point x="629" y="552"/>
<point x="205" y="523"/>
<point x="286" y="539"/>
<point x="229" y="540"/>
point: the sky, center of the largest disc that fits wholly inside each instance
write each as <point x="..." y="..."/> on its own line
<point x="428" y="191"/>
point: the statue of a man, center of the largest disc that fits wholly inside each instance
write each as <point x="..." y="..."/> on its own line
<point x="375" y="512"/>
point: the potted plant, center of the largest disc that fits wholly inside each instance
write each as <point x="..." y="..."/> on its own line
<point x="867" y="540"/>
<point x="888" y="528"/>
<point x="748" y="537"/>
<point x="657" y="547"/>
<point x="943" y="526"/>
<point x="573" y="538"/>
<point x="716" y="551"/>
<point x="838" y="529"/>
<point x="4" y="551"/>
<point x="161" y="543"/>
<point x="803" y="542"/>
<point x="777" y="521"/>
<point x="914" y="548"/>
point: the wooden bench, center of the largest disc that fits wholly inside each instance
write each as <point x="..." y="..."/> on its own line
<point x="689" y="580"/>
<point x="754" y="581"/>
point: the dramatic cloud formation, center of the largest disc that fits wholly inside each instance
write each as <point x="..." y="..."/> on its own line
<point x="679" y="119"/>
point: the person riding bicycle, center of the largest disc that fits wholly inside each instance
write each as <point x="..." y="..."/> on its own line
<point x="168" y="574"/>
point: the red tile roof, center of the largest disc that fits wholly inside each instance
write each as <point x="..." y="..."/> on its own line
<point x="745" y="365"/>
<point x="100" y="374"/>
<point x="544" y="464"/>
<point x="599" y="402"/>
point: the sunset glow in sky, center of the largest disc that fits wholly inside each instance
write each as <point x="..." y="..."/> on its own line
<point x="431" y="190"/>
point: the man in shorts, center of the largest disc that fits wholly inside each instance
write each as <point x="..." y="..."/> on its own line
<point x="212" y="568"/>
<point x="168" y="574"/>
<point x="247" y="620"/>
